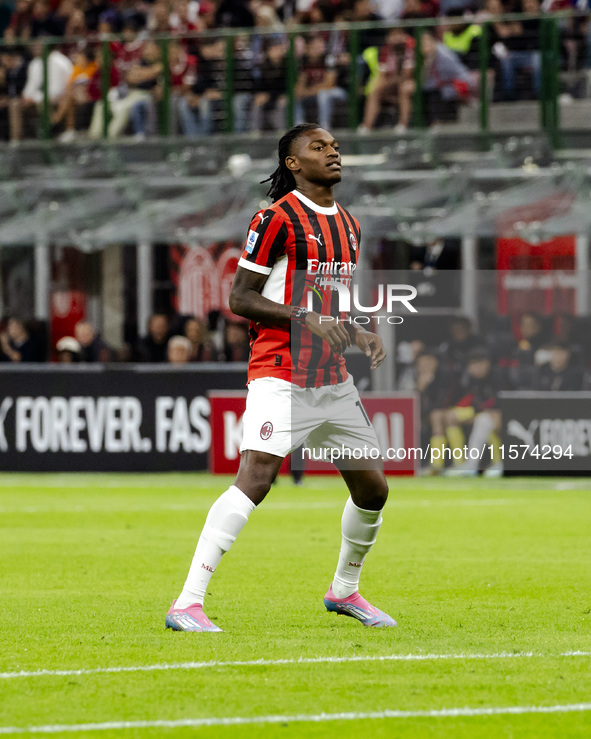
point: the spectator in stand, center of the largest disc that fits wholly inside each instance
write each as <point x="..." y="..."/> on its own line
<point x="394" y="80"/>
<point x="142" y="78"/>
<point x="183" y="75"/>
<point x="153" y="347"/>
<point x="530" y="338"/>
<point x="92" y="346"/>
<point x="76" y="24"/>
<point x="419" y="9"/>
<point x="435" y="387"/>
<point x="184" y="18"/>
<point x="16" y="345"/>
<point x="406" y="355"/>
<point x="463" y="39"/>
<point x="363" y="12"/>
<point x="449" y="8"/>
<point x="179" y="350"/>
<point x="44" y="21"/>
<point x="201" y="107"/>
<point x="236" y="342"/>
<point x="59" y="71"/>
<point x="519" y="49"/>
<point x="244" y="76"/>
<point x="159" y="17"/>
<point x="207" y="19"/>
<point x="76" y="92"/>
<point x="446" y="81"/>
<point x="475" y="407"/>
<point x="317" y="83"/>
<point x="202" y="348"/>
<point x="94" y="105"/>
<point x="68" y="350"/>
<point x="500" y="37"/>
<point x="128" y="52"/>
<point x="93" y="11"/>
<point x="270" y="99"/>
<point x="266" y="19"/>
<point x="389" y="10"/>
<point x="234" y="14"/>
<point x="13" y="77"/>
<point x="560" y="373"/>
<point x="462" y="341"/>
<point x="20" y="21"/>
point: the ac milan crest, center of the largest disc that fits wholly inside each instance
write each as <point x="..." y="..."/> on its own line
<point x="353" y="240"/>
<point x="266" y="430"/>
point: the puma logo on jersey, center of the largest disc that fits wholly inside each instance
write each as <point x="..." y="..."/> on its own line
<point x="262" y="217"/>
<point x="316" y="238"/>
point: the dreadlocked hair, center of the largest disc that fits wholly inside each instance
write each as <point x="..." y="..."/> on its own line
<point x="282" y="180"/>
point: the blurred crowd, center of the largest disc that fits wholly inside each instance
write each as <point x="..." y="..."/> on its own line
<point x="176" y="340"/>
<point x="197" y="68"/>
<point x="459" y="379"/>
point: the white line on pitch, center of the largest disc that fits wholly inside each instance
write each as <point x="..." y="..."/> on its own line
<point x="299" y="661"/>
<point x="298" y="718"/>
<point x="270" y="506"/>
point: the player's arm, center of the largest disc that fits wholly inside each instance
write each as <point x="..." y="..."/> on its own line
<point x="369" y="343"/>
<point x="246" y="301"/>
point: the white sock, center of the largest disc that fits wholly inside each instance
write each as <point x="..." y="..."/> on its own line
<point x="481" y="430"/>
<point x="224" y="522"/>
<point x="360" y="530"/>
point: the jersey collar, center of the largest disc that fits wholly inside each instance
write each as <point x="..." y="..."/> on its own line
<point x="332" y="211"/>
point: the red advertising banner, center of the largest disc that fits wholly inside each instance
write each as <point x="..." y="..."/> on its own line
<point x="394" y="417"/>
<point x="545" y="281"/>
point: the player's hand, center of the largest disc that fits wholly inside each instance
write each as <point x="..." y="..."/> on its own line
<point x="332" y="332"/>
<point x="372" y="346"/>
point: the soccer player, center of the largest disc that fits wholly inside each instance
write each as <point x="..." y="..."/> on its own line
<point x="298" y="385"/>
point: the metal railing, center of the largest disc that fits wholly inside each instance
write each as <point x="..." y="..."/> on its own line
<point x="549" y="40"/>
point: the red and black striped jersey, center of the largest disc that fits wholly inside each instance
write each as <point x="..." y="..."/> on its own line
<point x="295" y="242"/>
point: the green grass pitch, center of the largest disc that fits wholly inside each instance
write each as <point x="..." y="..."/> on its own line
<point x="490" y="582"/>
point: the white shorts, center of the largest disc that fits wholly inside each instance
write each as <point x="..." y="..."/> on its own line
<point x="281" y="416"/>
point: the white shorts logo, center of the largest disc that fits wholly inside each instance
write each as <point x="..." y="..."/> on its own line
<point x="266" y="430"/>
<point x="251" y="241"/>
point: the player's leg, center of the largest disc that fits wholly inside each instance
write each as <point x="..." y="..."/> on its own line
<point x="360" y="524"/>
<point x="266" y="441"/>
<point x="348" y="427"/>
<point x="225" y="520"/>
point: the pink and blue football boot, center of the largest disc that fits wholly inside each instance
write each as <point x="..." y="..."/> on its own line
<point x="189" y="619"/>
<point x="357" y="607"/>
